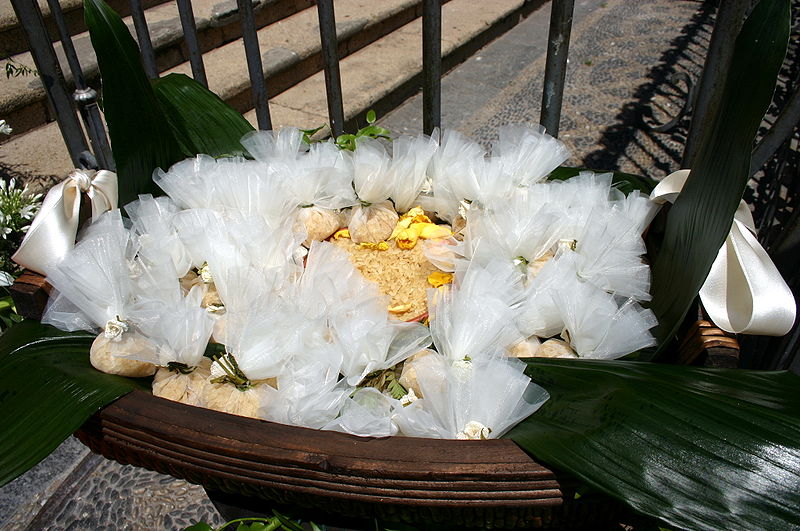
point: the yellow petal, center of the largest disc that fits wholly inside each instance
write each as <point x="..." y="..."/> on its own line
<point x="428" y="231"/>
<point x="414" y="212"/>
<point x="339" y="234"/>
<point x="406" y="239"/>
<point x="381" y="246"/>
<point x="438" y="279"/>
<point x="400" y="308"/>
<point x="401" y="225"/>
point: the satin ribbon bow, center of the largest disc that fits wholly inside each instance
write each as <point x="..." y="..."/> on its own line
<point x="52" y="233"/>
<point x="744" y="292"/>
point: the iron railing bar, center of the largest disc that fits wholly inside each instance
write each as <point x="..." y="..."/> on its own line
<point x="84" y="96"/>
<point x="330" y="59"/>
<point x="556" y="66"/>
<point x="782" y="128"/>
<point x="143" y="36"/>
<point x="730" y="17"/>
<point x="44" y="56"/>
<point x="431" y="65"/>
<point x="254" y="67"/>
<point x="192" y="44"/>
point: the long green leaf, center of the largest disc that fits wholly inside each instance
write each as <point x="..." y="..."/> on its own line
<point x="141" y="137"/>
<point x="625" y="182"/>
<point x="47" y="390"/>
<point x="201" y="121"/>
<point x="701" y="217"/>
<point x="697" y="448"/>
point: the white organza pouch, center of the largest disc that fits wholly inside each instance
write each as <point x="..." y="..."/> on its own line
<point x="367" y="413"/>
<point x="374" y="219"/>
<point x="471" y="399"/>
<point x="408" y="170"/>
<point x="95" y="278"/>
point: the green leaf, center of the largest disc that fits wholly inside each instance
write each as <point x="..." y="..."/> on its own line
<point x="373" y="131"/>
<point x="48" y="389"/>
<point x="200" y="120"/>
<point x="286" y="523"/>
<point x="141" y="137"/>
<point x="242" y="527"/>
<point x="625" y="182"/>
<point x="701" y="217"/>
<point x="371" y="116"/>
<point x="199" y="526"/>
<point x="697" y="448"/>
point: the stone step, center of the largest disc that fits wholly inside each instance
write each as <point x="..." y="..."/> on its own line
<point x="12" y="38"/>
<point x="379" y="75"/>
<point x="384" y="74"/>
<point x="22" y="99"/>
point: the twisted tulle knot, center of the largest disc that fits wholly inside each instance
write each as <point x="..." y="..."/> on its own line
<point x="83" y="181"/>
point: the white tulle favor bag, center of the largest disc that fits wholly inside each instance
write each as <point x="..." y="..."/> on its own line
<point x="374" y="218"/>
<point x="408" y="171"/>
<point x="180" y="330"/>
<point x="473" y="399"/>
<point x="95" y="292"/>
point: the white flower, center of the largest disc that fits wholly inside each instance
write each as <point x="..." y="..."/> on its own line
<point x="5" y="128"/>
<point x="409" y="398"/>
<point x="462" y="370"/>
<point x="114" y="329"/>
<point x="205" y="274"/>
<point x="6" y="279"/>
<point x="474" y="430"/>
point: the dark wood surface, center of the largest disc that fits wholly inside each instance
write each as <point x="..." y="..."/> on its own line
<point x="469" y="483"/>
<point x="30" y="293"/>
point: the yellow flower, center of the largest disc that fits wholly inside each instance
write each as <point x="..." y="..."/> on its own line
<point x="438" y="279"/>
<point x="339" y="234"/>
<point x="406" y="239"/>
<point x="380" y="246"/>
<point x="429" y="231"/>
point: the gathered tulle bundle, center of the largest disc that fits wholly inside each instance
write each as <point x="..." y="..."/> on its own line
<point x="228" y="291"/>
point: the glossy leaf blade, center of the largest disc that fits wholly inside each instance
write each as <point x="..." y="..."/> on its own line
<point x="698" y="448"/>
<point x="48" y="389"/>
<point x="701" y="218"/>
<point x="625" y="182"/>
<point x="201" y="121"/>
<point x="141" y="137"/>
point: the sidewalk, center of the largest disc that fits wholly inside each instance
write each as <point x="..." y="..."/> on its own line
<point x="620" y="55"/>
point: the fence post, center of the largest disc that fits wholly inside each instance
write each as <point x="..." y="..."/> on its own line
<point x="30" y="17"/>
<point x="556" y="67"/>
<point x="330" y="58"/>
<point x="431" y="65"/>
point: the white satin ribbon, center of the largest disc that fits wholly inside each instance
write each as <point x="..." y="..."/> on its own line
<point x="52" y="233"/>
<point x="744" y="292"/>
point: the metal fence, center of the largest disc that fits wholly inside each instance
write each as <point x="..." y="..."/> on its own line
<point x="96" y="153"/>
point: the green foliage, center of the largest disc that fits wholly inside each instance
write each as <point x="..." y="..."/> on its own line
<point x="624" y="182"/>
<point x="47" y="390"/>
<point x="154" y="125"/>
<point x="16" y="69"/>
<point x="348" y="141"/>
<point x="697" y="448"/>
<point x="700" y="219"/>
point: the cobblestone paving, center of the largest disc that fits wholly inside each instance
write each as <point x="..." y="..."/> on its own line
<point x="621" y="54"/>
<point x="617" y="78"/>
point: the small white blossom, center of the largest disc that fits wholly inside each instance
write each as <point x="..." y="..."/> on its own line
<point x="474" y="430"/>
<point x="408" y="398"/>
<point x="205" y="274"/>
<point x="5" y="128"/>
<point x="114" y="329"/>
<point x="462" y="370"/>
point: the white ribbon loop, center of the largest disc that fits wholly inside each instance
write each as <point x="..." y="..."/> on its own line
<point x="744" y="293"/>
<point x="52" y="233"/>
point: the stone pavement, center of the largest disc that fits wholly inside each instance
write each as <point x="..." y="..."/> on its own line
<point x="620" y="57"/>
